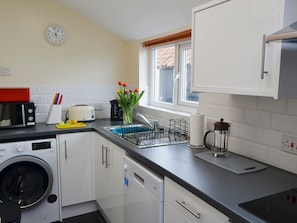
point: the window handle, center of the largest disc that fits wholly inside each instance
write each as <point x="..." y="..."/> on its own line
<point x="177" y="76"/>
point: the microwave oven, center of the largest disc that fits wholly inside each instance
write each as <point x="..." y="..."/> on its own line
<point x="17" y="114"/>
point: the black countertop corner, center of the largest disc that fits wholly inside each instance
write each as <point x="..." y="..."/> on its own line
<point x="220" y="188"/>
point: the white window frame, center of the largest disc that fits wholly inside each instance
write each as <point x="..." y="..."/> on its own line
<point x="177" y="103"/>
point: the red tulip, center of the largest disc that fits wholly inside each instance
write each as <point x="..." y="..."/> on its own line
<point x="124" y="84"/>
<point x="126" y="92"/>
<point x="136" y="90"/>
<point x="120" y="83"/>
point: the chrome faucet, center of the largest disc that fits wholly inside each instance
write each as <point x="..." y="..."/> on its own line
<point x="152" y="126"/>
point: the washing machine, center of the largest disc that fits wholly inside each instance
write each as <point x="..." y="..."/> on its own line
<point x="29" y="176"/>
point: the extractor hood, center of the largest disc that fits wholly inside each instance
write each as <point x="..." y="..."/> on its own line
<point x="288" y="33"/>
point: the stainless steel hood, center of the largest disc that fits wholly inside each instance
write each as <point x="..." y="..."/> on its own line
<point x="288" y="33"/>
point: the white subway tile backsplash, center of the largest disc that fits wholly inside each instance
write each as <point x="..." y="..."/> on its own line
<point x="282" y="160"/>
<point x="235" y="145"/>
<point x="257" y="125"/>
<point x="42" y="108"/>
<point x="255" y="151"/>
<point x="292" y="107"/>
<point x="229" y="100"/>
<point x="41" y="117"/>
<point x="246" y="102"/>
<point x="215" y="99"/>
<point x="271" y="105"/>
<point x="284" y="123"/>
<point x="231" y="114"/>
<point x="257" y="118"/>
<point x="268" y="137"/>
<point x="92" y="94"/>
<point x="243" y="131"/>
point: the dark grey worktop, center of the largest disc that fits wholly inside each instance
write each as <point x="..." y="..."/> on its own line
<point x="218" y="187"/>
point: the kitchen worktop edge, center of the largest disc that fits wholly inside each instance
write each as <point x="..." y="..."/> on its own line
<point x="220" y="188"/>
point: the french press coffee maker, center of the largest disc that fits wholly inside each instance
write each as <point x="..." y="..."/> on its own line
<point x="220" y="139"/>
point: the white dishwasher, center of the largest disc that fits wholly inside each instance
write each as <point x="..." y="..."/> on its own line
<point x="143" y="194"/>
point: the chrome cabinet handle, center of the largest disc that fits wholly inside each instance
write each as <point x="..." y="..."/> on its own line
<point x="102" y="155"/>
<point x="66" y="155"/>
<point x="264" y="41"/>
<point x="183" y="204"/>
<point x="106" y="157"/>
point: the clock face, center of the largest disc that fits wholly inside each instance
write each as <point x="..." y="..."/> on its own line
<point x="55" y="35"/>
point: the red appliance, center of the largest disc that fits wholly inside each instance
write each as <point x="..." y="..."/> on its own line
<point x="14" y="94"/>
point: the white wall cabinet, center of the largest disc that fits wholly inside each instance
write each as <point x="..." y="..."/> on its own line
<point x="181" y="206"/>
<point x="228" y="45"/>
<point x="108" y="166"/>
<point x="75" y="168"/>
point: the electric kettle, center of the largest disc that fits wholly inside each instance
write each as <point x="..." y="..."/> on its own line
<point x="220" y="138"/>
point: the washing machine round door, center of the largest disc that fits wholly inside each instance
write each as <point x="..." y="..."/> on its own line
<point x="25" y="179"/>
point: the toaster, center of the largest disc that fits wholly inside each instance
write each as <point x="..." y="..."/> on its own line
<point x="81" y="113"/>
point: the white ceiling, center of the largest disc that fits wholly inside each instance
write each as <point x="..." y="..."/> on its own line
<point x="137" y="19"/>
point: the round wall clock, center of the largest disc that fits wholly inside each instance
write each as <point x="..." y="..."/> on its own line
<point x="55" y="34"/>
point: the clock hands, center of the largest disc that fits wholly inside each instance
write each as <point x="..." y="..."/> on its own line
<point x="55" y="35"/>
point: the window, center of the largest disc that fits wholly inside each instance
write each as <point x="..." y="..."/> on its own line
<point x="171" y="74"/>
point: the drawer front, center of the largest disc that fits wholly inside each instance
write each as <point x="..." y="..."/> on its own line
<point x="171" y="215"/>
<point x="190" y="206"/>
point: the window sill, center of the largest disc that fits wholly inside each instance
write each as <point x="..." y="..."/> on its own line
<point x="170" y="111"/>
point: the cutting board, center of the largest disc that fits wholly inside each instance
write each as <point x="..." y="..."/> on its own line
<point x="69" y="126"/>
<point x="234" y="163"/>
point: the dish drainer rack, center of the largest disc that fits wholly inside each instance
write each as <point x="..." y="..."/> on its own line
<point x="177" y="132"/>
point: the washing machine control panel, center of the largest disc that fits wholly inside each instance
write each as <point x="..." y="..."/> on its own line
<point x="36" y="147"/>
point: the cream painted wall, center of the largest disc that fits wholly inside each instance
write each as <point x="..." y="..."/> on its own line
<point x="133" y="76"/>
<point x="90" y="54"/>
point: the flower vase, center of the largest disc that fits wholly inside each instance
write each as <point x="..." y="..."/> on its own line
<point x="127" y="115"/>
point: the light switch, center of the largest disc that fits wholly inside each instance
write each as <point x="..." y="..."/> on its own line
<point x="5" y="71"/>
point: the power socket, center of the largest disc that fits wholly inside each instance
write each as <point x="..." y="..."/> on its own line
<point x="210" y="124"/>
<point x="289" y="143"/>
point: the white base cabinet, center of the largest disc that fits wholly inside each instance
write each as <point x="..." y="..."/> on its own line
<point x="75" y="168"/>
<point x="228" y="47"/>
<point x="109" y="189"/>
<point x="181" y="206"/>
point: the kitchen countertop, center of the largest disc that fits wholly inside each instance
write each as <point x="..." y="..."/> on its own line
<point x="220" y="188"/>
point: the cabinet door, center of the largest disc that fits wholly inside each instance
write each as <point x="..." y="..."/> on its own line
<point x="109" y="179"/>
<point x="228" y="43"/>
<point x="98" y="143"/>
<point x="75" y="168"/>
<point x="187" y="207"/>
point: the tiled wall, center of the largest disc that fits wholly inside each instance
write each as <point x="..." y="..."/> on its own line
<point x="95" y="95"/>
<point x="162" y="116"/>
<point x="257" y="125"/>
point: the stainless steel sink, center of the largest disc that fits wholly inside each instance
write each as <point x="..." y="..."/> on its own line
<point x="143" y="136"/>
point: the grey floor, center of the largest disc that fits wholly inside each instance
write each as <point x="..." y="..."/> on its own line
<point x="93" y="217"/>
